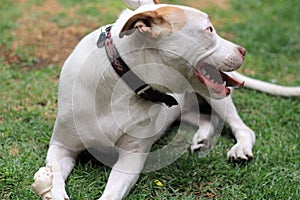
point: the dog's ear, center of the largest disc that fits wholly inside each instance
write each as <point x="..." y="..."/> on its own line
<point x="149" y="22"/>
<point x="163" y="20"/>
<point x="137" y="3"/>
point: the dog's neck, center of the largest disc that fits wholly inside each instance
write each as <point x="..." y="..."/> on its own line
<point x="141" y="88"/>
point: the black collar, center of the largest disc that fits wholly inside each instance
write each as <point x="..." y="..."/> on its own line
<point x="141" y="88"/>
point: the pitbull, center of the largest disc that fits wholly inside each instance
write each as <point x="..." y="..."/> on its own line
<point x="125" y="84"/>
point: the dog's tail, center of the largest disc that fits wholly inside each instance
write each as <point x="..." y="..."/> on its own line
<point x="266" y="87"/>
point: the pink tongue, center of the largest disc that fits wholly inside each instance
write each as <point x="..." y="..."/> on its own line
<point x="230" y="82"/>
<point x="219" y="89"/>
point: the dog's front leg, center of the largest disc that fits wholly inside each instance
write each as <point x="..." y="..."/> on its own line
<point x="50" y="180"/>
<point x="126" y="171"/>
<point x="202" y="140"/>
<point x="244" y="136"/>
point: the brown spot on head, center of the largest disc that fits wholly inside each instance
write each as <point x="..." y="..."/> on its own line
<point x="174" y="15"/>
<point x="162" y="20"/>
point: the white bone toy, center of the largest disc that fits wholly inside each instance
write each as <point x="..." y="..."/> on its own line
<point x="43" y="183"/>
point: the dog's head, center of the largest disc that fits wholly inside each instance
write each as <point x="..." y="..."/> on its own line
<point x="189" y="34"/>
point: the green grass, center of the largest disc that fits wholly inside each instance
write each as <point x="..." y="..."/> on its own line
<point x="9" y="13"/>
<point x="268" y="29"/>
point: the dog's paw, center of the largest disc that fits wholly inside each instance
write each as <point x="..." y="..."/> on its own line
<point x="240" y="152"/>
<point x="201" y="145"/>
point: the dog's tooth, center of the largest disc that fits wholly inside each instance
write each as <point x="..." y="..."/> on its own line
<point x="203" y="71"/>
<point x="224" y="83"/>
<point x="208" y="76"/>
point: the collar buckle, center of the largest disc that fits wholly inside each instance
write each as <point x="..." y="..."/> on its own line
<point x="143" y="90"/>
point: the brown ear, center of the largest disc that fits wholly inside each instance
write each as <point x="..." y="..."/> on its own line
<point x="162" y="20"/>
<point x="150" y="22"/>
<point x="156" y="1"/>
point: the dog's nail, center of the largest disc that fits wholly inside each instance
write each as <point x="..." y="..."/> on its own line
<point x="249" y="157"/>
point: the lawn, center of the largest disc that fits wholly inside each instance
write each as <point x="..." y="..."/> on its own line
<point x="29" y="69"/>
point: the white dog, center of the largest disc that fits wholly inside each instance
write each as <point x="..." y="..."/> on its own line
<point x="125" y="84"/>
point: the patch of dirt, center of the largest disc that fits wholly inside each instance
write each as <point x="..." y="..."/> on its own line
<point x="47" y="42"/>
<point x="208" y="190"/>
<point x="13" y="152"/>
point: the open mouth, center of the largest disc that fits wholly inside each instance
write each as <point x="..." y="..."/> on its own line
<point x="216" y="81"/>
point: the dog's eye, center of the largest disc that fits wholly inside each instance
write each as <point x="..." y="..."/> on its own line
<point x="210" y="29"/>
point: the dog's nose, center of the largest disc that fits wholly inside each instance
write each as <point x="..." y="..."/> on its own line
<point x="242" y="50"/>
